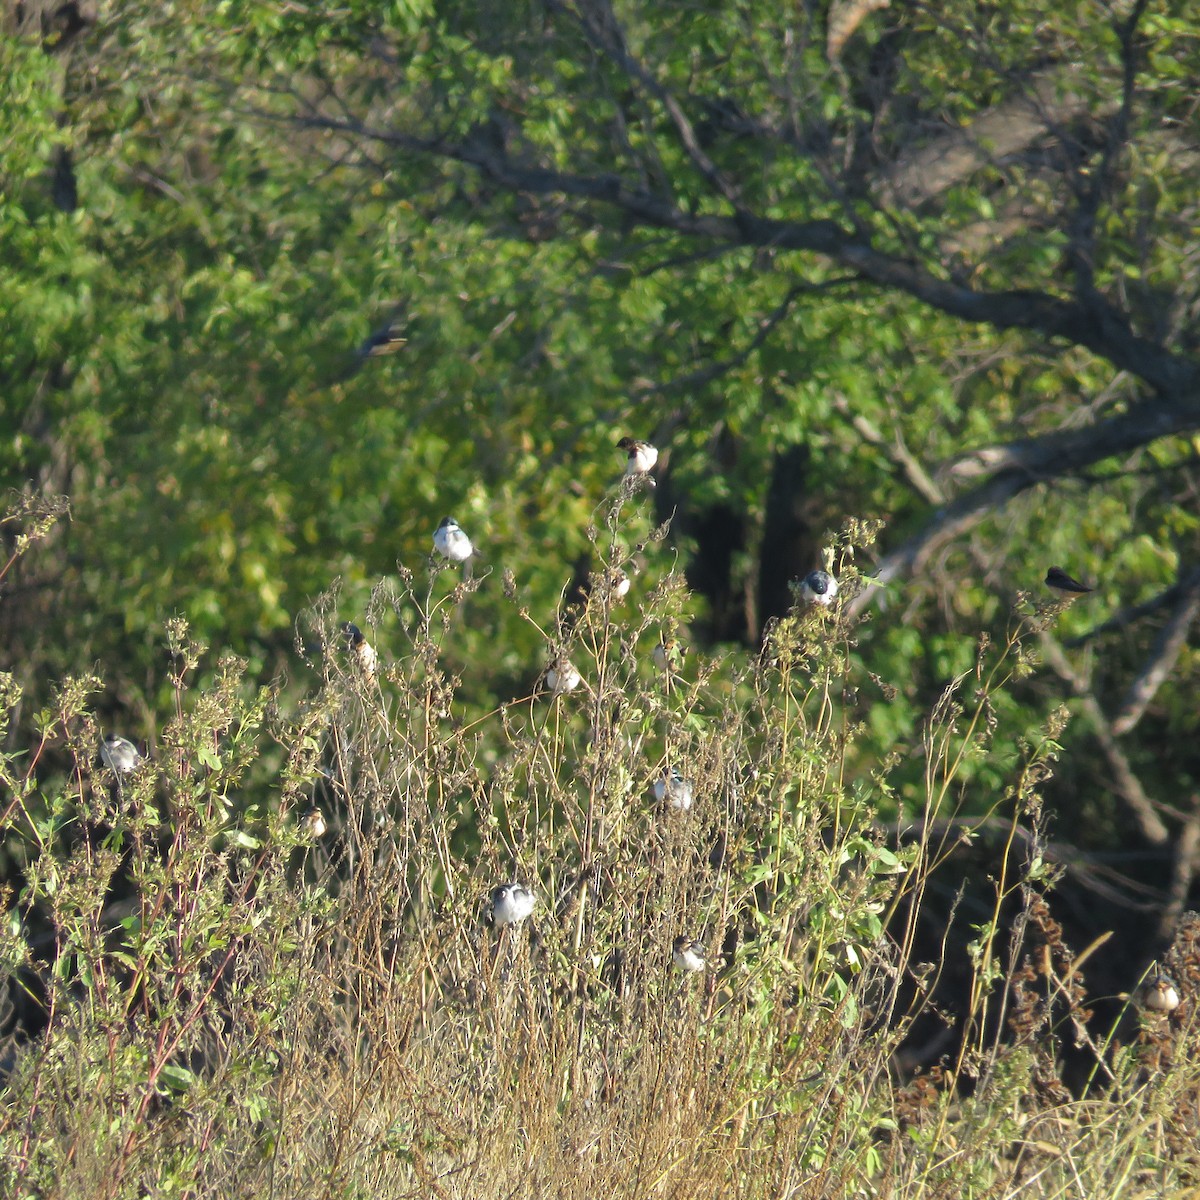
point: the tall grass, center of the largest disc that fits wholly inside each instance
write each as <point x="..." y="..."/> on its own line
<point x="215" y="1001"/>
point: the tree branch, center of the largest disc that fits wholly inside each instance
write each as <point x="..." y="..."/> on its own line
<point x="1096" y="326"/>
<point x="1127" y="616"/>
<point x="1022" y="465"/>
<point x="1163" y="655"/>
<point x="1126" y="783"/>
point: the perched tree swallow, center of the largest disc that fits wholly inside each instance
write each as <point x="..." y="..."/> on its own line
<point x="120" y="755"/>
<point x="562" y="677"/>
<point x="818" y="587"/>
<point x="618" y="583"/>
<point x="687" y="955"/>
<point x="672" y="787"/>
<point x="1159" y="994"/>
<point x="451" y="542"/>
<point x="313" y="824"/>
<point x="1060" y="581"/>
<point x="510" y="904"/>
<point x="667" y="654"/>
<point x="363" y="651"/>
<point x="641" y="457"/>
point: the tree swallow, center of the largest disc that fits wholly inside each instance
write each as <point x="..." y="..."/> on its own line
<point x="641" y="457"/>
<point x="510" y="904"/>
<point x="672" y="787"/>
<point x="562" y="677"/>
<point x="618" y="583"/>
<point x="1060" y="581"/>
<point x="313" y="824"/>
<point x="451" y="542"/>
<point x="363" y="651"/>
<point x="687" y="955"/>
<point x="120" y="755"/>
<point x="667" y="654"/>
<point x="818" y="587"/>
<point x="1159" y="994"/>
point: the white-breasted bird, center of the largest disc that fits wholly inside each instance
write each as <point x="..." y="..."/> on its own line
<point x="510" y="904"/>
<point x="312" y="825"/>
<point x="818" y="587"/>
<point x="363" y="651"/>
<point x="672" y="787"/>
<point x="618" y="583"/>
<point x="120" y="755"/>
<point x="640" y="457"/>
<point x="687" y="955"/>
<point x="451" y="542"/>
<point x="1159" y="994"/>
<point x="562" y="677"/>
<point x="667" y="654"/>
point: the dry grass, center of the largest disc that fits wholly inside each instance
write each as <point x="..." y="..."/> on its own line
<point x="232" y="1008"/>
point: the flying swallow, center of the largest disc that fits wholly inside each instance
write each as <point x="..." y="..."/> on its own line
<point x="510" y="904"/>
<point x="385" y="340"/>
<point x="1060" y="581"/>
<point x="818" y="587"/>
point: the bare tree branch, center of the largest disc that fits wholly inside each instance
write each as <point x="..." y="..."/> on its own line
<point x="1125" y="782"/>
<point x="896" y="452"/>
<point x="1024" y="464"/>
<point x="767" y="325"/>
<point x="1183" y="872"/>
<point x="1128" y="616"/>
<point x="1163" y="655"/>
<point x="607" y="37"/>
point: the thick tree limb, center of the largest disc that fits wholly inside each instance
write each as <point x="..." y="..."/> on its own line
<point x="1095" y="325"/>
<point x="1047" y="103"/>
<point x="1022" y="465"/>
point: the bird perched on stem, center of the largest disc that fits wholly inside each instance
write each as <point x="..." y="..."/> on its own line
<point x="510" y="904"/>
<point x="120" y="755"/>
<point x="668" y="652"/>
<point x="640" y="458"/>
<point x="562" y="677"/>
<point x="452" y="543"/>
<point x="687" y="955"/>
<point x="1159" y="994"/>
<point x="818" y="587"/>
<point x="618" y="583"/>
<point x="672" y="787"/>
<point x="313" y="825"/>
<point x="363" y="651"/>
<point x="1060" y="581"/>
